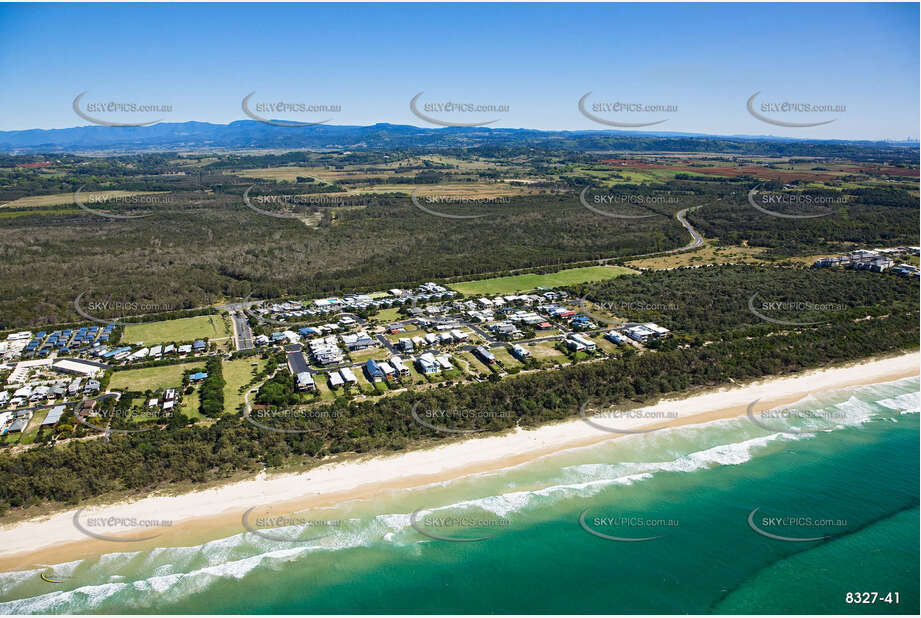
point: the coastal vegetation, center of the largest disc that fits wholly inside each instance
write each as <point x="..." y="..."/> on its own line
<point x="878" y="315"/>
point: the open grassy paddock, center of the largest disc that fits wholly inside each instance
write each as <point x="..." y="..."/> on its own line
<point x="236" y="374"/>
<point x="151" y="378"/>
<point x="182" y="329"/>
<point x="532" y="281"/>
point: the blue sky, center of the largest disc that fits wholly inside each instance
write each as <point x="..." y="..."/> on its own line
<point x="537" y="59"/>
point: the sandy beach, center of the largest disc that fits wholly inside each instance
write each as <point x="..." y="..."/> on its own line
<point x="216" y="511"/>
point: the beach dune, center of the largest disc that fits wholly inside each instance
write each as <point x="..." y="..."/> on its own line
<point x="174" y="519"/>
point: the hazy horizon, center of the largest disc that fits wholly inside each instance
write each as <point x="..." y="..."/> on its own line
<point x="700" y="64"/>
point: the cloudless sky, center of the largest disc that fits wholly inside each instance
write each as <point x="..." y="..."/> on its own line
<point x="538" y="59"/>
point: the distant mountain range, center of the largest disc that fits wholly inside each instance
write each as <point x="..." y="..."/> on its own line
<point x="251" y="134"/>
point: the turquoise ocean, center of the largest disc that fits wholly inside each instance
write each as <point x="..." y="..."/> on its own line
<point x="726" y="509"/>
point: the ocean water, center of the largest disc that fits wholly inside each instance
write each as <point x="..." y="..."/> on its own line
<point x="726" y="510"/>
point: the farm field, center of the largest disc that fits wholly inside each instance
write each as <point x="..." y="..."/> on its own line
<point x="182" y="329"/>
<point x="532" y="281"/>
<point x="152" y="378"/>
<point x="60" y="199"/>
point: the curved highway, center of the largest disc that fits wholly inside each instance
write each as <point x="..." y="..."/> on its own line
<point x="697" y="240"/>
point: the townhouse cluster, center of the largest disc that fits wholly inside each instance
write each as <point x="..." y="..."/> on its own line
<point x="874" y="260"/>
<point x="296" y="311"/>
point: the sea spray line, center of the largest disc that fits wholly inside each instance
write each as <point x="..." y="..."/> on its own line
<point x="818" y="414"/>
<point x="464" y="522"/>
<point x="284" y="522"/>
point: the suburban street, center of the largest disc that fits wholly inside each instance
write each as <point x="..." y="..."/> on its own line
<point x="242" y="333"/>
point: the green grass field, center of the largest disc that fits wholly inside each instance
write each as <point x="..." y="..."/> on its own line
<point x="528" y="282"/>
<point x="389" y="315"/>
<point x="236" y="374"/>
<point x="505" y="357"/>
<point x="151" y="378"/>
<point x="545" y="350"/>
<point x="362" y="356"/>
<point x="183" y="329"/>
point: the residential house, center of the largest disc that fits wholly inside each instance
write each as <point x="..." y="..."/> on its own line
<point x="427" y="364"/>
<point x="373" y="371"/>
<point x="348" y="377"/>
<point x="401" y="369"/>
<point x="519" y="352"/>
<point x="484" y="355"/>
<point x="304" y="382"/>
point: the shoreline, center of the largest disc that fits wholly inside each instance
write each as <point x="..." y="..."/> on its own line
<point x="216" y="512"/>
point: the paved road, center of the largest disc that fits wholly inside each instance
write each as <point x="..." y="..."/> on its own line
<point x="482" y="333"/>
<point x="697" y="240"/>
<point x="242" y="333"/>
<point x="386" y="343"/>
